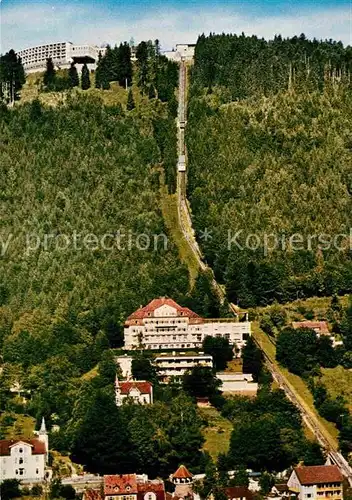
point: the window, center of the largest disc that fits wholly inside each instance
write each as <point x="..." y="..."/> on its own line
<point x="37" y="471"/>
<point x="21" y="472"/>
<point x="20" y="461"/>
<point x="20" y="450"/>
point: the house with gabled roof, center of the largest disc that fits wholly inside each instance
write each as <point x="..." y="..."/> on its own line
<point x="319" y="482"/>
<point x="137" y="391"/>
<point x="25" y="459"/>
<point x="120" y="487"/>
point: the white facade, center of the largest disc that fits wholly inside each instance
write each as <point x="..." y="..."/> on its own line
<point x="183" y="52"/>
<point x="22" y="464"/>
<point x="238" y="383"/>
<point x="327" y="489"/>
<point x="177" y="366"/>
<point x="62" y="53"/>
<point x="125" y="363"/>
<point x="163" y="324"/>
<point x="25" y="460"/>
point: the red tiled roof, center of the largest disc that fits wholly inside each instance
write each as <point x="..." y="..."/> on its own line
<point x="238" y="492"/>
<point x="156" y="487"/>
<point x="123" y="484"/>
<point x="38" y="447"/>
<point x="319" y="474"/>
<point x="148" y="310"/>
<point x="322" y="326"/>
<point x="143" y="387"/>
<point x="182" y="473"/>
<point x="92" y="495"/>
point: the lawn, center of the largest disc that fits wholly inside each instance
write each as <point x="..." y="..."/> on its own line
<point x="295" y="310"/>
<point x="217" y="433"/>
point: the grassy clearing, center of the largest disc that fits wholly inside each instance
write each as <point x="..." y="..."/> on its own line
<point x="217" y="433"/>
<point x="234" y="366"/>
<point x="91" y="374"/>
<point x="317" y="305"/>
<point x="170" y="213"/>
<point x="33" y="89"/>
<point x="297" y="384"/>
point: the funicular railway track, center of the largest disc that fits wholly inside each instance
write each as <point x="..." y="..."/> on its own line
<point x="185" y="221"/>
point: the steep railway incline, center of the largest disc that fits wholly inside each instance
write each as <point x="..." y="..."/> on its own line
<point x="185" y="222"/>
<point x="184" y="214"/>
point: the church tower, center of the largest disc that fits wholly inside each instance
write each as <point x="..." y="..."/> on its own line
<point x="43" y="437"/>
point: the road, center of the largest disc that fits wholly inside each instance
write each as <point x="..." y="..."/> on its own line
<point x="184" y="215"/>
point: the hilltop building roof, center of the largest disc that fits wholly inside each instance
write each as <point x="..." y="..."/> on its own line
<point x="149" y="309"/>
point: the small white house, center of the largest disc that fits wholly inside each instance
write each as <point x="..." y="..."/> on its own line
<point x="24" y="459"/>
<point x="138" y="391"/>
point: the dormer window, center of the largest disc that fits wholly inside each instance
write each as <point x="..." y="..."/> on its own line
<point x="128" y="488"/>
<point x="116" y="488"/>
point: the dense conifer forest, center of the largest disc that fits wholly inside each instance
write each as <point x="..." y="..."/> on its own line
<point x="269" y="147"/>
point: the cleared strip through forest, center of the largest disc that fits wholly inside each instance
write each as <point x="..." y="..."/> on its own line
<point x="185" y="223"/>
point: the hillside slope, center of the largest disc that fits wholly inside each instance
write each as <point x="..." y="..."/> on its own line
<point x="270" y="170"/>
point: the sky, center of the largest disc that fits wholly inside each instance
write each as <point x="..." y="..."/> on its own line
<point x="34" y="22"/>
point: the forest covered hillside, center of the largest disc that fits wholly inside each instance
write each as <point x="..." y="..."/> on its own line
<point x="73" y="175"/>
<point x="269" y="147"/>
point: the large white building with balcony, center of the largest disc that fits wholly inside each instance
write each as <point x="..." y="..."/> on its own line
<point x="177" y="365"/>
<point x="62" y="53"/>
<point x="163" y="324"/>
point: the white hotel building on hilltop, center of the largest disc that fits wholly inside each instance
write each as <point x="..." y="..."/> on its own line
<point x="163" y="324"/>
<point x="62" y="53"/>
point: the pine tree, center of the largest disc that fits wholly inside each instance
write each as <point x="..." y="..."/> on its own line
<point x="12" y="76"/>
<point x="142" y="54"/>
<point x="50" y="74"/>
<point x="98" y="83"/>
<point x="125" y="65"/>
<point x="73" y="76"/>
<point x="85" y="78"/>
<point x="130" y="101"/>
<point x="102" y="80"/>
